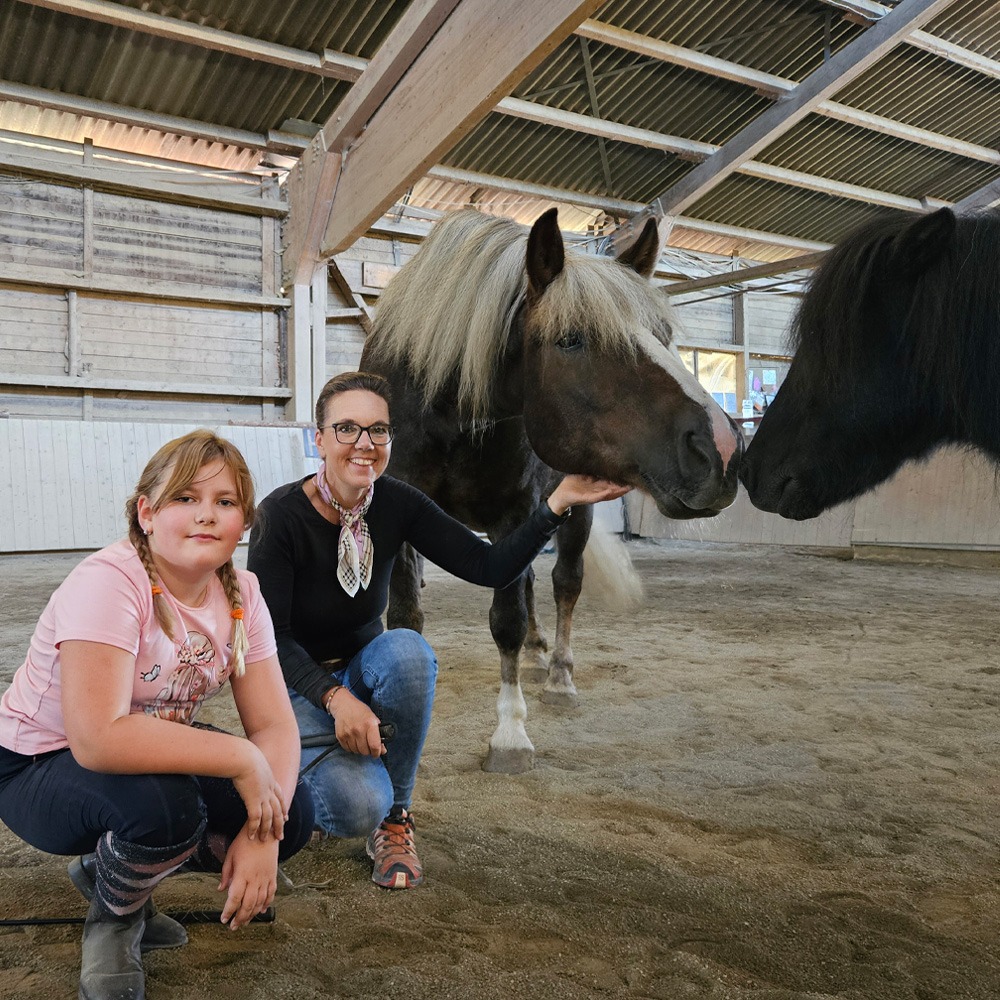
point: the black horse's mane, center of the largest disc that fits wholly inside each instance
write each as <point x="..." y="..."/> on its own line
<point x="947" y="338"/>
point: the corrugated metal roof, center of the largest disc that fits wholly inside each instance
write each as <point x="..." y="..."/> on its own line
<point x="90" y="60"/>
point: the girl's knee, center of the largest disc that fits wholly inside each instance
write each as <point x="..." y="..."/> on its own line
<point x="165" y="809"/>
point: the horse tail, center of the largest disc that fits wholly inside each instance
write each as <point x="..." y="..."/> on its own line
<point x="608" y="574"/>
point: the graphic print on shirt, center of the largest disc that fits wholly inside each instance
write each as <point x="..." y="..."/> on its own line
<point x="152" y="674"/>
<point x="195" y="677"/>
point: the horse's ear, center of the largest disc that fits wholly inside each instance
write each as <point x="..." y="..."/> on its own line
<point x="921" y="243"/>
<point x="642" y="255"/>
<point x="546" y="254"/>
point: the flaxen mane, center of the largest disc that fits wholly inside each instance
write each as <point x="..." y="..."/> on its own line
<point x="449" y="311"/>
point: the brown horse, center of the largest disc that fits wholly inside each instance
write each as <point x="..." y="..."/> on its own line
<point x="511" y="359"/>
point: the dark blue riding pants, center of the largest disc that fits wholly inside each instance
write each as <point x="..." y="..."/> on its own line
<point x="54" y="804"/>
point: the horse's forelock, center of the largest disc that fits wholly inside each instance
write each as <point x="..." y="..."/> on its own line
<point x="612" y="304"/>
<point x="443" y="316"/>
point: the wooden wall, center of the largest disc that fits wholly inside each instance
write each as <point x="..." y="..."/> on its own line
<point x="134" y="289"/>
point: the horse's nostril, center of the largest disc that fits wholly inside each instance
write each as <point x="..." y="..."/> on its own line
<point x="696" y="455"/>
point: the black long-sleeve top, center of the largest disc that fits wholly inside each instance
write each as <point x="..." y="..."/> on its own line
<point x="293" y="551"/>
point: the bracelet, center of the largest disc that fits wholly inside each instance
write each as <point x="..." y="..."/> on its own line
<point x="328" y="697"/>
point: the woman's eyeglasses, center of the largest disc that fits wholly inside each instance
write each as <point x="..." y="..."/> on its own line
<point x="348" y="432"/>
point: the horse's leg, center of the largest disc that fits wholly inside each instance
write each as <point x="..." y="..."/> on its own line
<point x="510" y="749"/>
<point x="404" y="591"/>
<point x="534" y="659"/>
<point x="567" y="579"/>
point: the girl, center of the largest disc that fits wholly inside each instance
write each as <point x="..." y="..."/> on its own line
<point x="99" y="751"/>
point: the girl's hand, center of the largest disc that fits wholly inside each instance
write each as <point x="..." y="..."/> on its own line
<point x="578" y="489"/>
<point x="356" y="724"/>
<point x="261" y="794"/>
<point x="250" y="874"/>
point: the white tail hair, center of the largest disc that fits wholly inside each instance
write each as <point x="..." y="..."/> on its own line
<point x="608" y="574"/>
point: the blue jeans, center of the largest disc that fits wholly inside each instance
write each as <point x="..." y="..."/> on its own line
<point x="395" y="676"/>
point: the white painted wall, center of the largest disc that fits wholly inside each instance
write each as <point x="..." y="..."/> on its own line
<point x="64" y="483"/>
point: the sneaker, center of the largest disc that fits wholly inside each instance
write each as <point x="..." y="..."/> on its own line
<point x="390" y="847"/>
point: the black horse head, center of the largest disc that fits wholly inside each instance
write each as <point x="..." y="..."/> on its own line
<point x="896" y="352"/>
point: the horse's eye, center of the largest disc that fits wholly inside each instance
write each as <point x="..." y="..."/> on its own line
<point x="570" y="342"/>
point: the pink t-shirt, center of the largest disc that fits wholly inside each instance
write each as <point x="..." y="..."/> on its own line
<point x="107" y="598"/>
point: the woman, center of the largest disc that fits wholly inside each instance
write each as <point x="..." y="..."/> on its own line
<point x="99" y="754"/>
<point x="323" y="550"/>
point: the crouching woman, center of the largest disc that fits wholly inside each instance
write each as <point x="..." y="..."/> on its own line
<point x="99" y="752"/>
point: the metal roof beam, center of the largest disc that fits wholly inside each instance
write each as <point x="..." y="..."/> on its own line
<point x="332" y="64"/>
<point x="845" y="66"/>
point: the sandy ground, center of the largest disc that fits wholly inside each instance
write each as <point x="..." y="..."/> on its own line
<point x="780" y="784"/>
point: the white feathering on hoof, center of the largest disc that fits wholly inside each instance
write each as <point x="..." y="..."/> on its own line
<point x="608" y="574"/>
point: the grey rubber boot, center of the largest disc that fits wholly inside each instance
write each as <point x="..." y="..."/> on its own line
<point x="161" y="931"/>
<point x="112" y="966"/>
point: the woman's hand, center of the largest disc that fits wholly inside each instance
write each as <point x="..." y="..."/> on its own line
<point x="576" y="489"/>
<point x="261" y="794"/>
<point x="356" y="724"/>
<point x="250" y="874"/>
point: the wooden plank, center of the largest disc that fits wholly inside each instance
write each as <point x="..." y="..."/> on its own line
<point x="489" y="47"/>
<point x="338" y="65"/>
<point x="162" y="291"/>
<point x="91" y="384"/>
<point x="313" y="183"/>
<point x="53" y="164"/>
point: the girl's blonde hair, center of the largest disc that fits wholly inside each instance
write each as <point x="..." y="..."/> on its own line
<point x="169" y="472"/>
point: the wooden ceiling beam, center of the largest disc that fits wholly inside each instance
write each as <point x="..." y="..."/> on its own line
<point x="315" y="180"/>
<point x="702" y="150"/>
<point x="777" y="86"/>
<point x="136" y="118"/>
<point x="986" y="197"/>
<point x="478" y="55"/>
<point x="616" y="206"/>
<point x="338" y="65"/>
<point x="846" y="65"/>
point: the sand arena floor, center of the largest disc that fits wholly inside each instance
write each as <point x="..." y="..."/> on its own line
<point x="781" y="783"/>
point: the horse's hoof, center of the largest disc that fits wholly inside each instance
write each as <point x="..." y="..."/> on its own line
<point x="509" y="761"/>
<point x="561" y="699"/>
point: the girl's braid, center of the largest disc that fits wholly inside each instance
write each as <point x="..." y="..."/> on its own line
<point x="161" y="607"/>
<point x="231" y="585"/>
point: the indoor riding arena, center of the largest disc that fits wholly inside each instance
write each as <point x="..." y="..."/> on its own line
<point x="772" y="773"/>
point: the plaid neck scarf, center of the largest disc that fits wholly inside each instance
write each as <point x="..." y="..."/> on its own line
<point x="354" y="550"/>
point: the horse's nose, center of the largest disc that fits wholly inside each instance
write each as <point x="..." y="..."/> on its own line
<point x="708" y="445"/>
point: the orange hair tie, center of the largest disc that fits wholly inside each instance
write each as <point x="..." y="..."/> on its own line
<point x="157" y="591"/>
<point x="236" y="614"/>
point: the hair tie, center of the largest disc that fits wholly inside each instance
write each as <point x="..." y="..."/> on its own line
<point x="157" y="591"/>
<point x="236" y="614"/>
